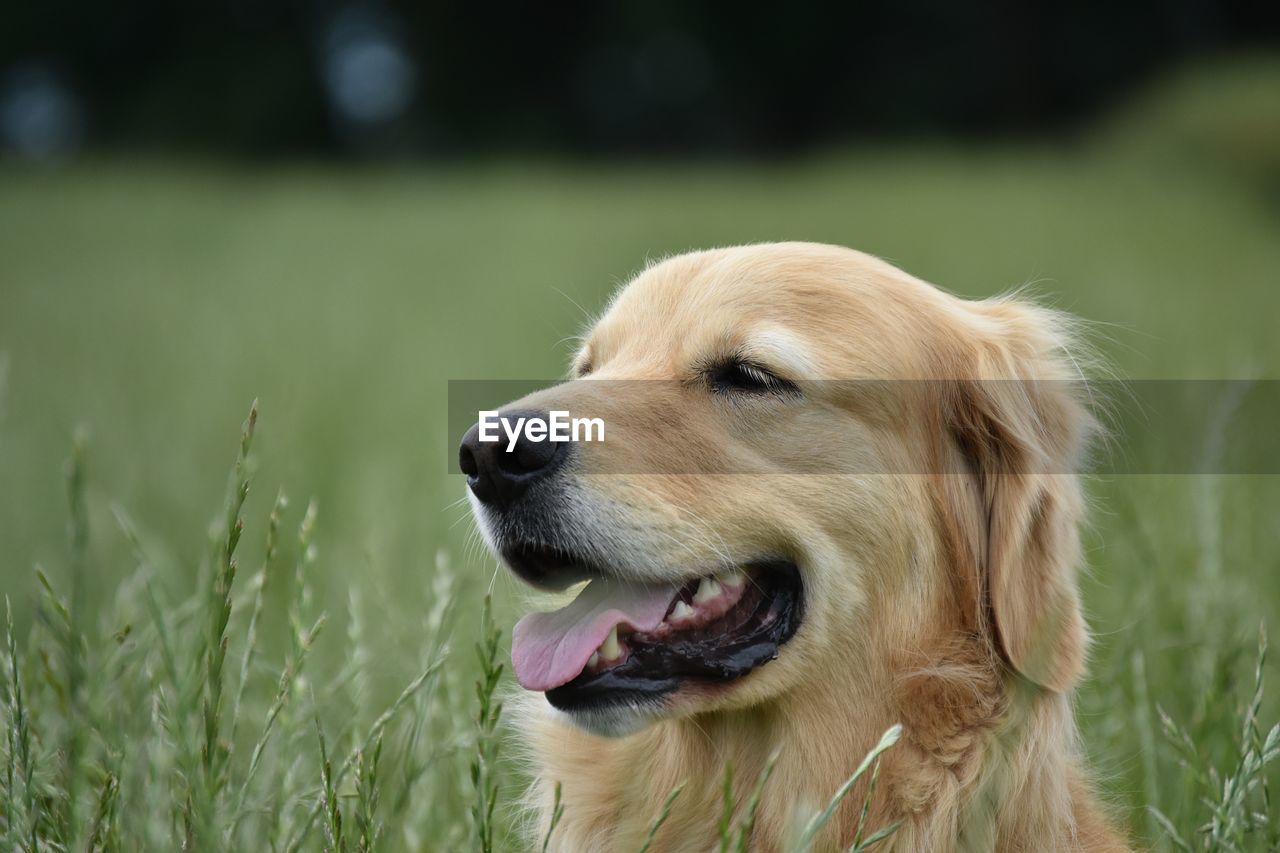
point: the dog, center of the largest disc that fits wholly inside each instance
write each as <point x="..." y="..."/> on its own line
<point x="831" y="498"/>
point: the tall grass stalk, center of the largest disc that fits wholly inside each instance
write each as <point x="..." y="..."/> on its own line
<point x="214" y="752"/>
<point x="333" y="840"/>
<point x="105" y="834"/>
<point x="748" y="820"/>
<point x="726" y="809"/>
<point x="366" y="807"/>
<point x="259" y="595"/>
<point x="661" y="817"/>
<point x="288" y="679"/>
<point x="375" y="731"/>
<point x="1237" y="803"/>
<point x="23" y="815"/>
<point x="488" y="712"/>
<point x="860" y="842"/>
<point x="73" y="643"/>
<point x="811" y="830"/>
<point x="557" y="812"/>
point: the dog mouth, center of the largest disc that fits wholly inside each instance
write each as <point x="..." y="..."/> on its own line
<point x="627" y="642"/>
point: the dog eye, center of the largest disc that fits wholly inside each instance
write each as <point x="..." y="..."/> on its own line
<point x="743" y="377"/>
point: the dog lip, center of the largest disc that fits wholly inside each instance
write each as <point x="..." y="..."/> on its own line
<point x="548" y="567"/>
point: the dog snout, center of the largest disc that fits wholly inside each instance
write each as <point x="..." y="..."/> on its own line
<point x="500" y="471"/>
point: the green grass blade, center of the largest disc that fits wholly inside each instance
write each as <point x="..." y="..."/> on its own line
<point x="557" y="812"/>
<point x="662" y="816"/>
<point x="811" y="830"/>
<point x="748" y="822"/>
<point x="255" y="614"/>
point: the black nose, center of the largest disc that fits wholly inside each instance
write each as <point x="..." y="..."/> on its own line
<point x="498" y="475"/>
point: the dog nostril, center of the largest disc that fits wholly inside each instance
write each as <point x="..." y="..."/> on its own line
<point x="467" y="461"/>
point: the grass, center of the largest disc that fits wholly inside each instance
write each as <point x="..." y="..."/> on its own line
<point x="74" y="758"/>
<point x="137" y="716"/>
<point x="156" y="693"/>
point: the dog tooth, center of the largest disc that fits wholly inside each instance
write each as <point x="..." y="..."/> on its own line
<point x="733" y="579"/>
<point x="593" y="661"/>
<point x="609" y="649"/>
<point x="708" y="588"/>
<point x="680" y="611"/>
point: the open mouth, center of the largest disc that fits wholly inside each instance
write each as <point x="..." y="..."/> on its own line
<point x="621" y="642"/>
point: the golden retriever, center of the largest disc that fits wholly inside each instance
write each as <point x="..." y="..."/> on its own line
<point x="830" y="498"/>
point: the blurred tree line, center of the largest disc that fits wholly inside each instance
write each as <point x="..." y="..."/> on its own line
<point x="274" y="77"/>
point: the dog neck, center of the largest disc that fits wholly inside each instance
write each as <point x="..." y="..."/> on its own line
<point x="986" y="761"/>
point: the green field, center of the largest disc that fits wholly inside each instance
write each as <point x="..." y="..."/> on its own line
<point x="144" y="305"/>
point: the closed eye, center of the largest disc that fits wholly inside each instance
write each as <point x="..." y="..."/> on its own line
<point x="739" y="376"/>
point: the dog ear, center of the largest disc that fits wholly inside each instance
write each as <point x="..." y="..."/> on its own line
<point x="1019" y="422"/>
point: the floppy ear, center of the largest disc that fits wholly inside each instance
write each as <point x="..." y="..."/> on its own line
<point x="1020" y="426"/>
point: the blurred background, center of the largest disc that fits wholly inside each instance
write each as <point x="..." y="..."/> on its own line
<point x="338" y="207"/>
<point x="325" y="77"/>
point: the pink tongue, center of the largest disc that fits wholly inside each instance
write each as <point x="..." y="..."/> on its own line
<point x="550" y="649"/>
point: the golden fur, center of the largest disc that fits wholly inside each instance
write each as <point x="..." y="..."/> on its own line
<point x="945" y="601"/>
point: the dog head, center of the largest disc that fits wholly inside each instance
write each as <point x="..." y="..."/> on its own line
<point x="810" y="460"/>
